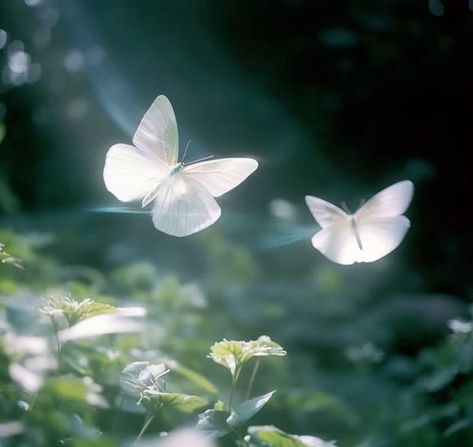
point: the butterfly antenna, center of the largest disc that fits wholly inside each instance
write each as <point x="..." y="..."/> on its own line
<point x="201" y="159"/>
<point x="185" y="151"/>
<point x="345" y="208"/>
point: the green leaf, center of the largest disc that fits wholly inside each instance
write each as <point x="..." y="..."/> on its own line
<point x="247" y="409"/>
<point x="262" y="347"/>
<point x="3" y="131"/>
<point x="186" y="403"/>
<point x="232" y="353"/>
<point x="214" y="423"/>
<point x="270" y="436"/>
<point x="227" y="353"/>
<point x="196" y="378"/>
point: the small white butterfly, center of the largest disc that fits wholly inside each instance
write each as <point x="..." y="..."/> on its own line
<point x="183" y="194"/>
<point x="375" y="230"/>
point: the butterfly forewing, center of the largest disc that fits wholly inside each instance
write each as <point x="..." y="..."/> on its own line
<point x="157" y="135"/>
<point x="183" y="207"/>
<point x="129" y="175"/>
<point x="220" y="176"/>
<point x="325" y="213"/>
<point x="390" y="202"/>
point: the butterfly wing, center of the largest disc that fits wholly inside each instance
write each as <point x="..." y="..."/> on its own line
<point x="390" y="202"/>
<point x="157" y="136"/>
<point x="130" y="175"/>
<point x="183" y="206"/>
<point x="379" y="222"/>
<point x="380" y="236"/>
<point x="220" y="176"/>
<point x="336" y="240"/>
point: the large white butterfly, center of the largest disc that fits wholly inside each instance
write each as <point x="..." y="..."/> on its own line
<point x="182" y="194"/>
<point x="375" y="230"/>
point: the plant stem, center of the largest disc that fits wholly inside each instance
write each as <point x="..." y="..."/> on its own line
<point x="252" y="379"/>
<point x="232" y="391"/>
<point x="145" y="426"/>
<point x="58" y="343"/>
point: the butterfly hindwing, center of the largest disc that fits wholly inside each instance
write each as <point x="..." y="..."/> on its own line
<point x="338" y="243"/>
<point x="183" y="207"/>
<point x="380" y="236"/>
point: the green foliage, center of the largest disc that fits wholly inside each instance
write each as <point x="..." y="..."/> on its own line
<point x="126" y="359"/>
<point x="269" y="436"/>
<point x="234" y="354"/>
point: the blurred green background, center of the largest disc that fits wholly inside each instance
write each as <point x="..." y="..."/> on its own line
<point x="334" y="99"/>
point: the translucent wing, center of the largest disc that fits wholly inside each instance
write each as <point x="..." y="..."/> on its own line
<point x="380" y="236"/>
<point x="129" y="175"/>
<point x="324" y="212"/>
<point x="336" y="240"/>
<point x="390" y="202"/>
<point x="220" y="176"/>
<point x="379" y="223"/>
<point x="183" y="206"/>
<point x="338" y="243"/>
<point x="156" y="136"/>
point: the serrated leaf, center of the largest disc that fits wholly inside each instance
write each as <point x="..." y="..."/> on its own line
<point x="270" y="436"/>
<point x="214" y="423"/>
<point x="247" y="409"/>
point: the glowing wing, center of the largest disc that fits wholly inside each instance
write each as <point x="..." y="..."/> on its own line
<point x="390" y="202"/>
<point x="156" y="136"/>
<point x="220" y="176"/>
<point x="325" y="213"/>
<point x="338" y="243"/>
<point x="337" y="239"/>
<point x="183" y="206"/>
<point x="379" y="222"/>
<point x="380" y="236"/>
<point x="129" y="175"/>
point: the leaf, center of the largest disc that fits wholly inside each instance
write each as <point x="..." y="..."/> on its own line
<point x="462" y="424"/>
<point x="186" y="403"/>
<point x="262" y="347"/>
<point x="113" y="323"/>
<point x="214" y="423"/>
<point x="247" y="409"/>
<point x="3" y="131"/>
<point x="232" y="353"/>
<point x="270" y="436"/>
<point x="226" y="353"/>
<point x="196" y="378"/>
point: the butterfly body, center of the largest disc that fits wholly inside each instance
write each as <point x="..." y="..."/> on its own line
<point x="183" y="196"/>
<point x="369" y="234"/>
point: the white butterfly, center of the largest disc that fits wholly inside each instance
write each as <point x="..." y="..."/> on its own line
<point x="375" y="230"/>
<point x="149" y="171"/>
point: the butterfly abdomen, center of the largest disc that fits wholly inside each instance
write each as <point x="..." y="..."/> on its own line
<point x="357" y="234"/>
